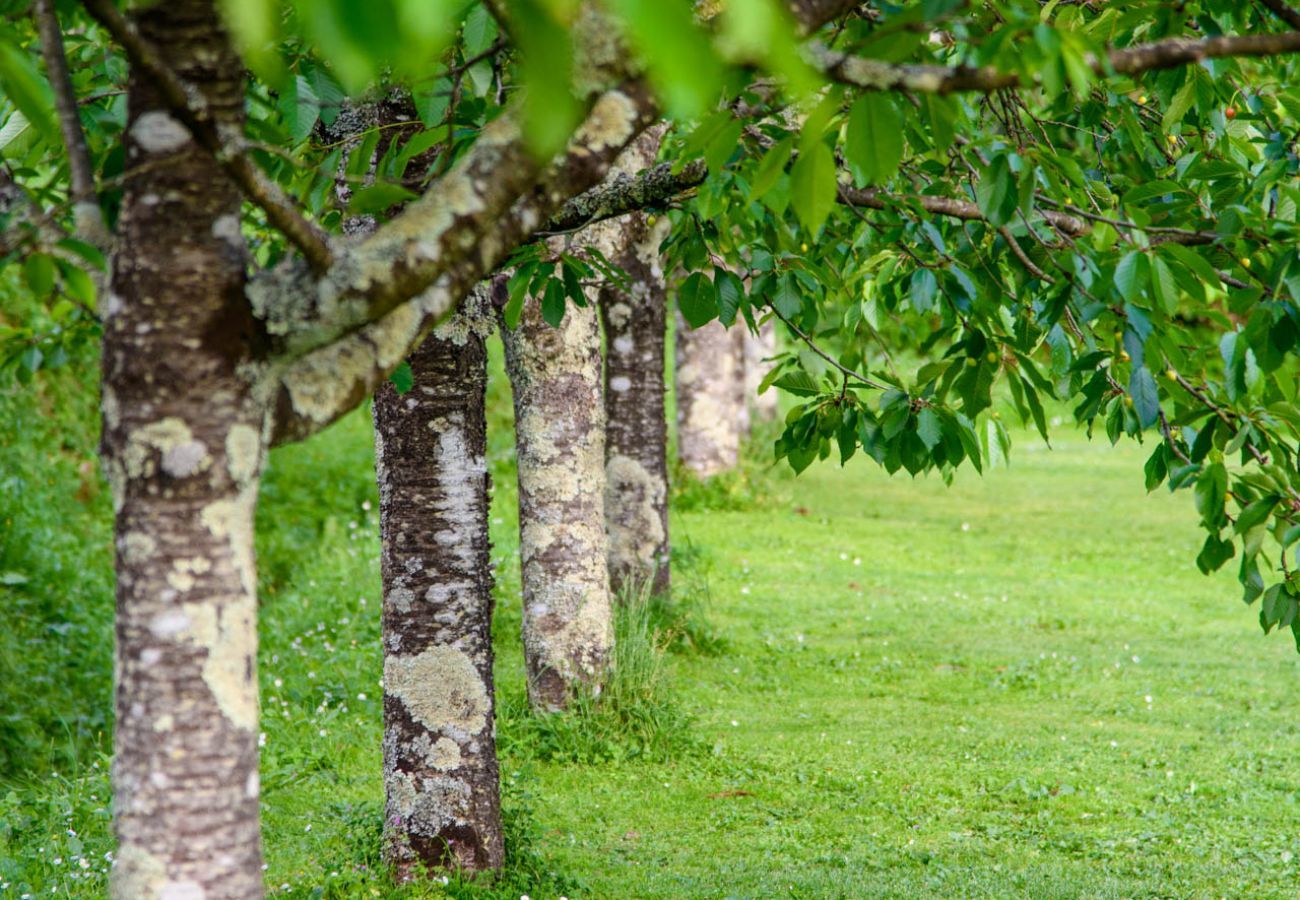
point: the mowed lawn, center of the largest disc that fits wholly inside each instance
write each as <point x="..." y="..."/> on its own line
<point x="1015" y="686"/>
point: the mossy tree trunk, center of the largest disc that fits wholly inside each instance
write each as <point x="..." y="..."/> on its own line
<point x="443" y="804"/>
<point x="710" y="407"/>
<point x="636" y="434"/>
<point x="555" y="375"/>
<point x="441" y="784"/>
<point x="183" y="447"/>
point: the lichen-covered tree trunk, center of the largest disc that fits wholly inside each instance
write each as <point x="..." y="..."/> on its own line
<point x="636" y="465"/>
<point x="183" y="449"/>
<point x="440" y="768"/>
<point x="709" y="383"/>
<point x="758" y="347"/>
<point x="555" y="375"/>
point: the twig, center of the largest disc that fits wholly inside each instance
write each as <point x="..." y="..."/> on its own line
<point x="89" y="218"/>
<point x="812" y="345"/>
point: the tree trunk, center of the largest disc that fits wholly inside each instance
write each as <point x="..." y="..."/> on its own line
<point x="440" y="767"/>
<point x="183" y="450"/>
<point x="636" y="465"/>
<point x="708" y="381"/>
<point x="758" y="347"/>
<point x="560" y="437"/>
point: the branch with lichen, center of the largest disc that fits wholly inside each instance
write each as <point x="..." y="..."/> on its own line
<point x="877" y="75"/>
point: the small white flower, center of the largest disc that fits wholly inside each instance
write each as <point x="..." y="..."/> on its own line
<point x="745" y="589"/>
<point x="361" y="696"/>
<point x="278" y="683"/>
<point x="844" y="556"/>
<point x="1148" y="698"/>
<point x="308" y="828"/>
<point x="965" y="526"/>
<point x="735" y="724"/>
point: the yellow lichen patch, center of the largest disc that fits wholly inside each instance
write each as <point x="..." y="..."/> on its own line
<point x="632" y="499"/>
<point x="161" y="437"/>
<point x="228" y="670"/>
<point x="137" y="872"/>
<point x="440" y="688"/>
<point x="137" y="547"/>
<point x="232" y="519"/>
<point x="612" y="122"/>
<point x="445" y="755"/>
<point x="243" y="452"/>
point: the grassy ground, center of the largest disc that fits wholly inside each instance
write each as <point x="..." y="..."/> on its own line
<point x="1017" y="686"/>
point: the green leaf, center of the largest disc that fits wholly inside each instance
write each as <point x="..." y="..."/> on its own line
<point x="403" y="378"/>
<point x="22" y="83"/>
<point x="378" y="197"/>
<point x="684" y="69"/>
<point x="731" y="294"/>
<point x="771" y="168"/>
<point x="1254" y="513"/>
<point x="697" y="298"/>
<point x="1211" y="492"/>
<point x="553" y="303"/>
<point x="873" y="139"/>
<point x="813" y="186"/>
<point x="786" y="297"/>
<point x="997" y="193"/>
<point x="928" y="428"/>
<point x="1130" y="276"/>
<point x="39" y="270"/>
<point x="1214" y="553"/>
<point x="799" y="383"/>
<point x="1146" y="398"/>
<point x="1180" y="104"/>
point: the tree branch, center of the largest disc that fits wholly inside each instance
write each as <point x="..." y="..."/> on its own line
<point x="1284" y="12"/>
<point x="228" y="148"/>
<point x="626" y="193"/>
<point x="875" y="75"/>
<point x="89" y="218"/>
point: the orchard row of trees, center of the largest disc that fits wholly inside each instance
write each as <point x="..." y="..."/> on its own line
<point x="934" y="201"/>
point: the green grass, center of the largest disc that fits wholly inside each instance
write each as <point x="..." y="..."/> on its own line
<point x="902" y="689"/>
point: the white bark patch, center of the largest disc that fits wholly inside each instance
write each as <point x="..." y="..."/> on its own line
<point x="623" y="344"/>
<point x="182" y="890"/>
<point x="253" y="785"/>
<point x="402" y="598"/>
<point x="620" y="383"/>
<point x="157" y="132"/>
<point x="170" y="624"/>
<point x="184" y="460"/>
<point x="243" y="452"/>
<point x="440" y="688"/>
<point x="226" y="228"/>
<point x="137" y="873"/>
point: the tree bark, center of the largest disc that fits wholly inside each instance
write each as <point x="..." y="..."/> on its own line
<point x="636" y="465"/>
<point x="555" y="375"/>
<point x="709" y="380"/>
<point x="758" y="347"/>
<point x="440" y="768"/>
<point x="183" y="449"/>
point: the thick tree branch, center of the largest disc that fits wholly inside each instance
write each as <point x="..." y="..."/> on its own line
<point x="228" y="148"/>
<point x="87" y="215"/>
<point x="875" y="75"/>
<point x="626" y="193"/>
<point x="311" y="387"/>
<point x="463" y="227"/>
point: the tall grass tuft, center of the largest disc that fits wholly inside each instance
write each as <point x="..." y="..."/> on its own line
<point x="634" y="714"/>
